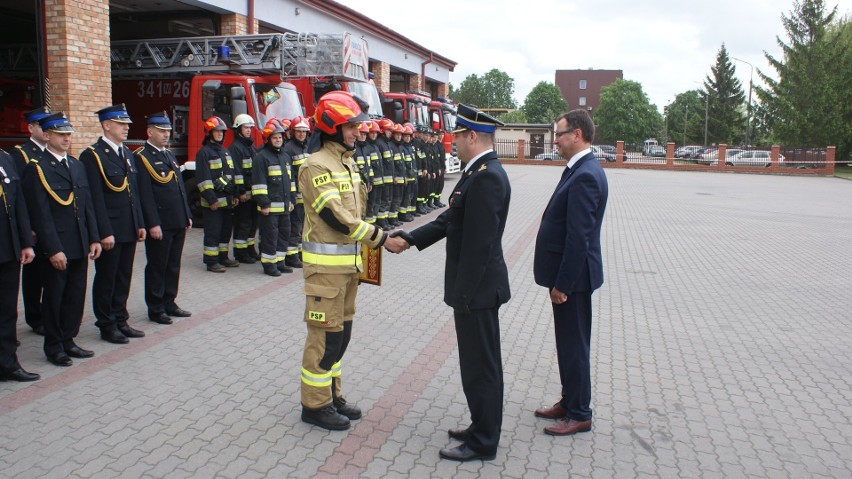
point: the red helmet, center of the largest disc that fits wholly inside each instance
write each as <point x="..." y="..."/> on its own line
<point x="374" y="126"/>
<point x="273" y="126"/>
<point x="385" y="124"/>
<point x="408" y="129"/>
<point x="300" y="123"/>
<point x="364" y="127"/>
<point x="398" y="128"/>
<point x="214" y="123"/>
<point x="285" y="123"/>
<point x="336" y="108"/>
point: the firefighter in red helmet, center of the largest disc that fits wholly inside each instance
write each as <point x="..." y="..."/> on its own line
<point x="217" y="183"/>
<point x="335" y="203"/>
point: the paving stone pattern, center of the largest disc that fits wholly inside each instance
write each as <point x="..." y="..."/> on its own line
<point x="721" y="348"/>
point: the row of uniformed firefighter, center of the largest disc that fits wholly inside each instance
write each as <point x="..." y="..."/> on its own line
<point x="245" y="188"/>
<point x="61" y="212"/>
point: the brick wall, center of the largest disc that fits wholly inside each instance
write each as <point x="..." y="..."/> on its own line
<point x="78" y="64"/>
<point x="382" y="72"/>
<point x="414" y="82"/>
<point x="443" y="90"/>
<point x="236" y="24"/>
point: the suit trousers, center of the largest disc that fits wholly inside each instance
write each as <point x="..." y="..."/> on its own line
<point x="573" y="327"/>
<point x="217" y="233"/>
<point x="162" y="271"/>
<point x="31" y="290"/>
<point x="111" y="285"/>
<point x="10" y="273"/>
<point x="62" y="303"/>
<point x="274" y="236"/>
<point x="481" y="365"/>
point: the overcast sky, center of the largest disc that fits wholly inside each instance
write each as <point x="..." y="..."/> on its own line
<point x="666" y="45"/>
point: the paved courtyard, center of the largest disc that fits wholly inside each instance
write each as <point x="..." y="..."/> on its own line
<point x="722" y="347"/>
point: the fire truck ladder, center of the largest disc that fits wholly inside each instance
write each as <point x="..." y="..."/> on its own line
<point x="285" y="54"/>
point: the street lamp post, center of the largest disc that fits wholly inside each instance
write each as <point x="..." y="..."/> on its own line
<point x="685" y="116"/>
<point x="706" y="114"/>
<point x="748" y="106"/>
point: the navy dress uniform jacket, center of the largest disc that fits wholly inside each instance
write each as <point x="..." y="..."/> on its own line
<point x="476" y="276"/>
<point x="67" y="228"/>
<point x="24" y="153"/>
<point x="164" y="203"/>
<point x="119" y="213"/>
<point x="568" y="246"/>
<point x="15" y="230"/>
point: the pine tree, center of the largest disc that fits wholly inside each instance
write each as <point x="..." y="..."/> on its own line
<point x="725" y="119"/>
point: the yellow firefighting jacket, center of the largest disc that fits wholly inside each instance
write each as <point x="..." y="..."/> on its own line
<point x="335" y="203"/>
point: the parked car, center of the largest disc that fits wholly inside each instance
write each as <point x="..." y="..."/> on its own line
<point x="686" y="151"/>
<point x="603" y="155"/>
<point x="607" y="148"/>
<point x="712" y="159"/>
<point x="700" y="152"/>
<point x="759" y="158"/>
<point x="655" y="151"/>
<point x="548" y="156"/>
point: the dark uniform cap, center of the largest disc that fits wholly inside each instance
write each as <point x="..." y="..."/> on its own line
<point x="159" y="120"/>
<point x="33" y="116"/>
<point x="469" y="118"/>
<point x="117" y="113"/>
<point x="57" y="122"/>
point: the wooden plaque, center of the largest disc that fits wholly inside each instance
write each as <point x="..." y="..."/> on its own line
<point x="372" y="259"/>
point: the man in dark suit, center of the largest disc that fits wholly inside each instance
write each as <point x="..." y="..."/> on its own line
<point x="63" y="219"/>
<point x="476" y="281"/>
<point x="568" y="263"/>
<point x="115" y="196"/>
<point x="167" y="217"/>
<point x="31" y="284"/>
<point x="16" y="248"/>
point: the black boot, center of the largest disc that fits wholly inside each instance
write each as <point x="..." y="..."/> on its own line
<point x="253" y="253"/>
<point x="326" y="418"/>
<point x="282" y="267"/>
<point x="227" y="262"/>
<point x="243" y="256"/>
<point x="351" y="411"/>
<point x="270" y="269"/>
<point x="293" y="261"/>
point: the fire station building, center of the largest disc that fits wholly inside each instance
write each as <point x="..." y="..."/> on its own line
<point x="65" y="46"/>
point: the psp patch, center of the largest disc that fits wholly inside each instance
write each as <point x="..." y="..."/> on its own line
<point x="316" y="316"/>
<point x="320" y="180"/>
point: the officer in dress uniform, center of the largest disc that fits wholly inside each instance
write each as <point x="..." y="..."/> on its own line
<point x="31" y="284"/>
<point x="115" y="197"/>
<point x="16" y="248"/>
<point x="63" y="218"/>
<point x="165" y="209"/>
<point x="476" y="278"/>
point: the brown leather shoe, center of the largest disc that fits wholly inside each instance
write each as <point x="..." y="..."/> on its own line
<point x="553" y="412"/>
<point x="567" y="427"/>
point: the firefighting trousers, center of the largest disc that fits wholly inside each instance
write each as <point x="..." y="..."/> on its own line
<point x="422" y="190"/>
<point x="396" y="200"/>
<point x="385" y="201"/>
<point x="297" y="219"/>
<point x="373" y="200"/>
<point x="245" y="226"/>
<point x="217" y="234"/>
<point x="274" y="237"/>
<point x="329" y="308"/>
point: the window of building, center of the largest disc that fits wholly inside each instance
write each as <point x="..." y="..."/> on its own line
<point x="582" y="101"/>
<point x="582" y="84"/>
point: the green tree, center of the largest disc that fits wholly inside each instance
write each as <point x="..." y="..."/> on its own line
<point x="491" y="90"/>
<point x="808" y="104"/>
<point x="544" y="103"/>
<point x="516" y="116"/>
<point x="725" y="119"/>
<point x="685" y="118"/>
<point x="625" y="113"/>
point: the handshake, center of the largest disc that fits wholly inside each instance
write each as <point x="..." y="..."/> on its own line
<point x="398" y="241"/>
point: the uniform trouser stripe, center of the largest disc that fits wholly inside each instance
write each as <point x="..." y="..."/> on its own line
<point x="274" y="237"/>
<point x="335" y="370"/>
<point x="322" y="380"/>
